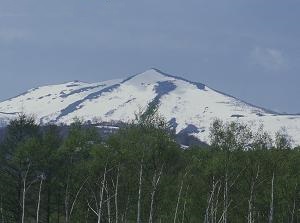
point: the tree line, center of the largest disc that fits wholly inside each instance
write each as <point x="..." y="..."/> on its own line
<point x="140" y="174"/>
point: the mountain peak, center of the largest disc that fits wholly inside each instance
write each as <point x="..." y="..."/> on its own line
<point x="154" y="72"/>
<point x="150" y="76"/>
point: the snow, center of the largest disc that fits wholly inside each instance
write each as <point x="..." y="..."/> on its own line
<point x="119" y="100"/>
<point x="107" y="127"/>
<point x="46" y="102"/>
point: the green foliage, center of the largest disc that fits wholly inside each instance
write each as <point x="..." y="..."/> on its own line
<point x="81" y="175"/>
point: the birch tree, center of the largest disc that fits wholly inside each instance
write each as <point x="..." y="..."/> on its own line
<point x="250" y="216"/>
<point x="271" y="211"/>
<point x="155" y="182"/>
<point x="41" y="178"/>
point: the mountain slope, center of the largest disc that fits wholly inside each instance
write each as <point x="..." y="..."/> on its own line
<point x="189" y="106"/>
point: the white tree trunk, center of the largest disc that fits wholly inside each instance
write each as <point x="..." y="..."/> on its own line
<point x="210" y="206"/>
<point x="271" y="214"/>
<point x="178" y="201"/>
<point x="67" y="200"/>
<point x="293" y="211"/>
<point x="101" y="195"/>
<point x="215" y="206"/>
<point x="225" y="198"/>
<point x="250" y="201"/>
<point x="183" y="212"/>
<point x="184" y="205"/>
<point x="116" y="195"/>
<point x="68" y="210"/>
<point x="108" y="204"/>
<point x="155" y="182"/>
<point x="24" y="179"/>
<point x="138" y="220"/>
<point x="39" y="199"/>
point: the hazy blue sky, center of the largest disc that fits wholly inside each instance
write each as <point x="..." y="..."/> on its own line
<point x="247" y="48"/>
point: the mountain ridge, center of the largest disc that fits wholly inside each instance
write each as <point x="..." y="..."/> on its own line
<point x="221" y="92"/>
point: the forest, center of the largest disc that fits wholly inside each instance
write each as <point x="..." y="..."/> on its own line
<point x="141" y="174"/>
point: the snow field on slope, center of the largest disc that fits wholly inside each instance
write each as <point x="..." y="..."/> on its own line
<point x="188" y="103"/>
<point x="122" y="103"/>
<point x="47" y="101"/>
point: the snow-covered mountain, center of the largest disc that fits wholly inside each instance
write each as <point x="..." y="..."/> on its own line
<point x="189" y="106"/>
